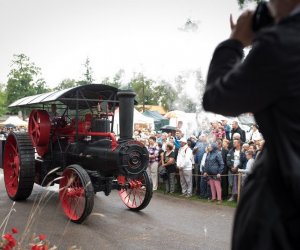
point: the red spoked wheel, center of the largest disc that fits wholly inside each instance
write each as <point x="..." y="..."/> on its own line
<point x="76" y="193"/>
<point x="39" y="127"/>
<point x="136" y="193"/>
<point x="19" y="166"/>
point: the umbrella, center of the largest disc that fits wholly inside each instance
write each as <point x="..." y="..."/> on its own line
<point x="9" y="125"/>
<point x="168" y="128"/>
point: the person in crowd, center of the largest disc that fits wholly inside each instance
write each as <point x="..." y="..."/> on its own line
<point x="164" y="140"/>
<point x="198" y="152"/>
<point x="227" y="128"/>
<point x="237" y="129"/>
<point x="191" y="145"/>
<point x="184" y="164"/>
<point x="213" y="169"/>
<point x="252" y="147"/>
<point x="235" y="159"/>
<point x="136" y="135"/>
<point x="214" y="131"/>
<point x="160" y="151"/>
<point x="53" y="113"/>
<point x="153" y="161"/>
<point x="223" y="147"/>
<point x="249" y="165"/>
<point x="220" y="135"/>
<point x="192" y="140"/>
<point x="178" y="136"/>
<point x="3" y="132"/>
<point x="236" y="136"/>
<point x="259" y="148"/>
<point x="158" y="136"/>
<point x="204" y="187"/>
<point x="245" y="147"/>
<point x="176" y="141"/>
<point x="168" y="162"/>
<point x="255" y="134"/>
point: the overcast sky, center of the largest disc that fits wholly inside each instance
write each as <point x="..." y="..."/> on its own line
<point x="134" y="35"/>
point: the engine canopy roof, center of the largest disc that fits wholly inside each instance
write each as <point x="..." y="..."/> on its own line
<point x="82" y="97"/>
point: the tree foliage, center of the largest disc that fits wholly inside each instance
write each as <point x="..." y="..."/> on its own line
<point x="116" y="80"/>
<point x="88" y="73"/>
<point x="24" y="79"/>
<point x="144" y="89"/>
<point x="190" y="87"/>
<point x="3" y="97"/>
<point x="66" y="83"/>
<point x="165" y="95"/>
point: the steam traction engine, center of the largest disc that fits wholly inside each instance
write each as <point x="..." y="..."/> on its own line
<point x="78" y="150"/>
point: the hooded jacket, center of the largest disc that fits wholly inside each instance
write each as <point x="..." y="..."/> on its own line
<point x="214" y="162"/>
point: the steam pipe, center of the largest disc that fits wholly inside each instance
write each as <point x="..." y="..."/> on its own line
<point x="126" y="109"/>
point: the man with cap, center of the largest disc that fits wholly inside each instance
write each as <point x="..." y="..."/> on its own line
<point x="184" y="164"/>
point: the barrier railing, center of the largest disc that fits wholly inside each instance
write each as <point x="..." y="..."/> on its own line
<point x="239" y="181"/>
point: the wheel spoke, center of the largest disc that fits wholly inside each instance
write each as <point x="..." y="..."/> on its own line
<point x="73" y="194"/>
<point x="13" y="148"/>
<point x="136" y="193"/>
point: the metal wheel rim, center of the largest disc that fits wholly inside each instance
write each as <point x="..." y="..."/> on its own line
<point x="39" y="129"/>
<point x="11" y="166"/>
<point x="134" y="195"/>
<point x="72" y="194"/>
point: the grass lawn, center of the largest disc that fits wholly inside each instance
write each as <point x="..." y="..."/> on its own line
<point x="196" y="198"/>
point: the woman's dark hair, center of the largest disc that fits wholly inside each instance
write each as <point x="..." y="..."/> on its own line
<point x="153" y="138"/>
<point x="170" y="146"/>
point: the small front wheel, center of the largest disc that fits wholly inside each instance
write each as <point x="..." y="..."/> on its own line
<point x="136" y="193"/>
<point x="76" y="193"/>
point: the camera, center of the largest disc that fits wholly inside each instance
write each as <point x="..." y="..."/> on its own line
<point x="262" y="17"/>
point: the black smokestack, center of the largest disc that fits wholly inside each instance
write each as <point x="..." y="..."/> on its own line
<point x="126" y="109"/>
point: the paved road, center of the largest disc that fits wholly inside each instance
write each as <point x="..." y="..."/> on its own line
<point x="167" y="223"/>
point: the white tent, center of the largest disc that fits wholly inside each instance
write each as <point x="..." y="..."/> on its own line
<point x="138" y="118"/>
<point x="15" y="120"/>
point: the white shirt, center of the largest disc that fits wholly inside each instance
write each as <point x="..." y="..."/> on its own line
<point x="256" y="136"/>
<point x="236" y="158"/>
<point x="249" y="167"/>
<point x="184" y="158"/>
<point x="203" y="162"/>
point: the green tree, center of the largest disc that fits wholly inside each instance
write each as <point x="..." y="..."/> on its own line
<point x="116" y="81"/>
<point x="41" y="86"/>
<point x="3" y="108"/>
<point x="190" y="86"/>
<point x="144" y="89"/>
<point x="24" y="79"/>
<point x="88" y="73"/>
<point x="66" y="83"/>
<point x="165" y="95"/>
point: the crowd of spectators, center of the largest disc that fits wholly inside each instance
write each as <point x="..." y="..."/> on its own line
<point x="4" y="131"/>
<point x="204" y="164"/>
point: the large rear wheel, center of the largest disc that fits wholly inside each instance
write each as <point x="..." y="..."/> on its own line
<point x="39" y="127"/>
<point x="76" y="193"/>
<point x="136" y="193"/>
<point x="18" y="168"/>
